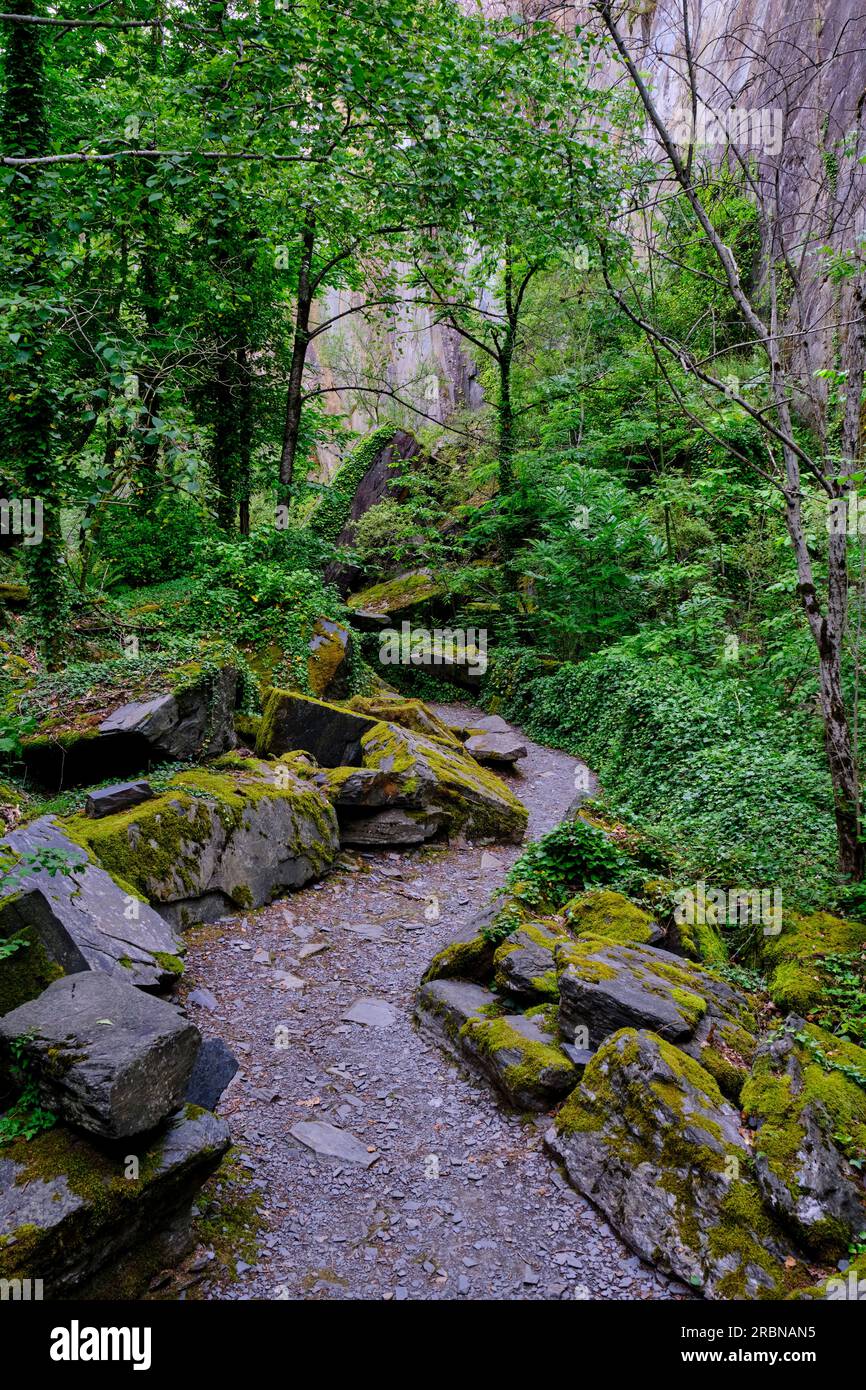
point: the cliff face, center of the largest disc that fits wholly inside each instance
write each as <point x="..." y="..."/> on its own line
<point x="761" y="68"/>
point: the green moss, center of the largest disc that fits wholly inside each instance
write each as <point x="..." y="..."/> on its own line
<point x="171" y="964"/>
<point x="468" y="960"/>
<point x="409" y="714"/>
<point x="27" y="971"/>
<point x="327" y="654"/>
<point x="609" y="915"/>
<point x="159" y="844"/>
<point x="393" y="595"/>
<point x="793" y="958"/>
<point x="247" y="728"/>
<point x="776" y="1099"/>
<point x="581" y="959"/>
<point x="92" y="1173"/>
<point x="538" y="1064"/>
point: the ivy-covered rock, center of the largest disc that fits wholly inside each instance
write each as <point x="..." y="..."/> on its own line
<point x="809" y="1112"/>
<point x="105" y="1056"/>
<point x="793" y="958"/>
<point x="522" y="1057"/>
<point x="231" y="835"/>
<point x="177" y="716"/>
<point x="524" y="962"/>
<point x="648" y="1138"/>
<point x="70" y="1206"/>
<point x="604" y="913"/>
<point x="472" y="800"/>
<point x="84" y="920"/>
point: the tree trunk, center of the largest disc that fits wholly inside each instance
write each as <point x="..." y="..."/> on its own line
<point x="295" y="397"/>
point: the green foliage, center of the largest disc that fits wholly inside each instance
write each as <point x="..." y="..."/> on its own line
<point x="843" y="1008"/>
<point x="726" y="797"/>
<point x="567" y="860"/>
<point x="140" y="548"/>
<point x="26" y="1118"/>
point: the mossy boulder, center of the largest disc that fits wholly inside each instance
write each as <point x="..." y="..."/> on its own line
<point x="401" y="594"/>
<point x="810" y="1116"/>
<point x="83" y="919"/>
<point x="109" y="1058"/>
<point x="604" y="986"/>
<point x="525" y="964"/>
<point x="443" y="1007"/>
<point x="182" y="715"/>
<point x="232" y="835"/>
<point x="469" y="955"/>
<point x="329" y="660"/>
<point x="521" y="1057"/>
<point x="792" y="959"/>
<point x="71" y="1207"/>
<point x="472" y="800"/>
<point x="649" y="1139"/>
<point x="409" y="714"/>
<point x="604" y="913"/>
<point x="329" y="733"/>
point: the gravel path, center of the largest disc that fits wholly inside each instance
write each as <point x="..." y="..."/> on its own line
<point x="461" y="1201"/>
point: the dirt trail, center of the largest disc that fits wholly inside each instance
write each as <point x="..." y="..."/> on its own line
<point x="462" y="1201"/>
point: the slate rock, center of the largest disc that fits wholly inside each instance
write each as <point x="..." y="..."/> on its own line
<point x="375" y="1013"/>
<point x="86" y="921"/>
<point x="649" y="1139"/>
<point x="70" y="1233"/>
<point x="439" y="777"/>
<point x="108" y="800"/>
<point x="329" y="659"/>
<point x="525" y="963"/>
<point x="108" y="1058"/>
<point x="191" y="723"/>
<point x="330" y="734"/>
<point x="331" y="1142"/>
<point x="521" y="1057"/>
<point x="604" y="987"/>
<point x="393" y="827"/>
<point x="234" y="834"/>
<point x="214" y="1068"/>
<point x="496" y="748"/>
<point x="443" y="1006"/>
<point x="797" y="1108"/>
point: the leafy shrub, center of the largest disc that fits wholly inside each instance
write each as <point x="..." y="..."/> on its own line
<point x="141" y="549"/>
<point x="569" y="859"/>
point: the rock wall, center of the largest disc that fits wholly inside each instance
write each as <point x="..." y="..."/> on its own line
<point x="758" y="56"/>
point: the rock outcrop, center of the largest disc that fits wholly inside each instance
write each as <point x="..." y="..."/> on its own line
<point x="329" y="733"/>
<point x="228" y="836"/>
<point x="193" y="719"/>
<point x="648" y="1137"/>
<point x="806" y="1111"/>
<point x="72" y="1207"/>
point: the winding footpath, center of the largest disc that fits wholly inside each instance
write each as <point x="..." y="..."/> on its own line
<point x="461" y="1201"/>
